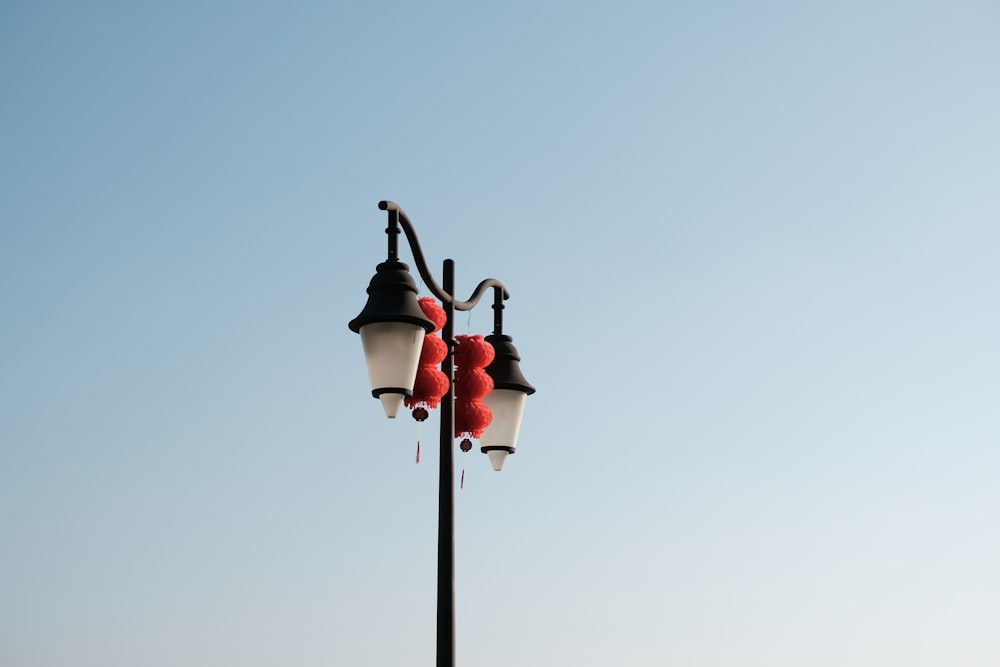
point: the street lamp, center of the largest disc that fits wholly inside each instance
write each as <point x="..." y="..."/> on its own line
<point x="392" y="327"/>
<point x="510" y="391"/>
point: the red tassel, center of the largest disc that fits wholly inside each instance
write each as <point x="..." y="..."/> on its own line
<point x="461" y="484"/>
<point x="418" y="451"/>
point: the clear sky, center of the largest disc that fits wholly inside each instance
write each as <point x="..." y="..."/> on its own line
<point x="753" y="256"/>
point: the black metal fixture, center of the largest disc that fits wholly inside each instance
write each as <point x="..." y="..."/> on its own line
<point x="392" y="328"/>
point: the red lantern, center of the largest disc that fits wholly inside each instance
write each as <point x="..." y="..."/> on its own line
<point x="430" y="384"/>
<point x="472" y="383"/>
<point x="473" y="352"/>
<point x="433" y="352"/>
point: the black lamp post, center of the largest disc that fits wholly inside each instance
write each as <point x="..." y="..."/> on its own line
<point x="392" y="328"/>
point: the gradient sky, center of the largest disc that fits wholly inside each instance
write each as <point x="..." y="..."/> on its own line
<point x="753" y="256"/>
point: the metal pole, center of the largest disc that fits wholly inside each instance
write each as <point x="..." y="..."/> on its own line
<point x="446" y="489"/>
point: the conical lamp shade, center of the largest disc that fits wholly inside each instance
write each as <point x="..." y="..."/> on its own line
<point x="497" y="458"/>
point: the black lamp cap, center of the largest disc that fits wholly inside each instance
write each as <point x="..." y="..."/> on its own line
<point x="505" y="368"/>
<point x="392" y="297"/>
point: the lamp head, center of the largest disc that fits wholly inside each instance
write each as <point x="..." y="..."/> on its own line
<point x="506" y="401"/>
<point x="392" y="327"/>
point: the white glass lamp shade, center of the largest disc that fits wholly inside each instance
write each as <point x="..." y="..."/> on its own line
<point x="497" y="458"/>
<point x="500" y="438"/>
<point x="392" y="352"/>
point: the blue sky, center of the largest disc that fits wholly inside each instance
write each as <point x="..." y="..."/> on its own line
<point x="752" y="252"/>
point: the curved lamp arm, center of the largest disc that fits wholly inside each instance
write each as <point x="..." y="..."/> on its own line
<point x="397" y="218"/>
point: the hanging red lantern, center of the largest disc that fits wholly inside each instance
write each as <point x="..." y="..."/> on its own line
<point x="428" y="388"/>
<point x="472" y="383"/>
<point x="472" y="416"/>
<point x="473" y="352"/>
<point x="433" y="311"/>
<point x="430" y="384"/>
<point x="433" y="352"/>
